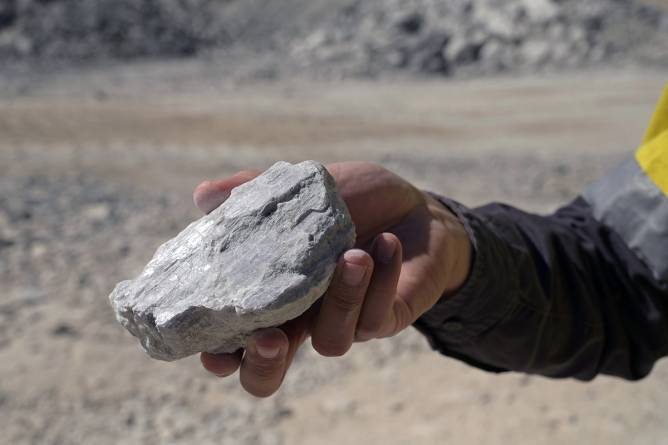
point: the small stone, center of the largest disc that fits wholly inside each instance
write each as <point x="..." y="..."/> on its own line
<point x="260" y="259"/>
<point x="38" y="250"/>
<point x="411" y="23"/>
<point x="535" y="52"/>
<point x="64" y="330"/>
<point x="97" y="212"/>
<point x="495" y="21"/>
<point x="465" y="50"/>
<point x="540" y="11"/>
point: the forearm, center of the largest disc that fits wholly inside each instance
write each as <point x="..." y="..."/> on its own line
<point x="559" y="295"/>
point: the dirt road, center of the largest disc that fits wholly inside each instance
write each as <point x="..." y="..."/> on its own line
<point x="91" y="183"/>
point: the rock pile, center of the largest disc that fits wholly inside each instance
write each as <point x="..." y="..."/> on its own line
<point x="487" y="36"/>
<point x="342" y="37"/>
<point x="97" y="29"/>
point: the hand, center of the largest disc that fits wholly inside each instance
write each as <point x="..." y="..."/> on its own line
<point x="410" y="251"/>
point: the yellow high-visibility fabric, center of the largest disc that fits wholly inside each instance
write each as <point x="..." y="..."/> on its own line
<point x="659" y="122"/>
<point x="653" y="154"/>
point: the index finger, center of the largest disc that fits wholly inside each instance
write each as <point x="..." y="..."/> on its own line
<point x="210" y="194"/>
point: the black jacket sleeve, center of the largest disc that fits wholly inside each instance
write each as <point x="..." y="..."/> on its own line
<point x="559" y="295"/>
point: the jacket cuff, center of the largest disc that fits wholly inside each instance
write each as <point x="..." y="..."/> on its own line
<point x="481" y="303"/>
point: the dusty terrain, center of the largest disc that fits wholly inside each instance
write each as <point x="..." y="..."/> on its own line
<point x="96" y="169"/>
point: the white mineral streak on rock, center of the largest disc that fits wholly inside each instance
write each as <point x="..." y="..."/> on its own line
<point x="262" y="258"/>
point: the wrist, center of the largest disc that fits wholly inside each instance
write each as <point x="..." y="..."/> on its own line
<point x="457" y="246"/>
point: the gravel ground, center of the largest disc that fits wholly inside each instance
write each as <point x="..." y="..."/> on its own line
<point x="91" y="185"/>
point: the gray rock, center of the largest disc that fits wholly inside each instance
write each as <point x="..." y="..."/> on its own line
<point x="540" y="11"/>
<point x="535" y="52"/>
<point x="260" y="259"/>
<point x="495" y="20"/>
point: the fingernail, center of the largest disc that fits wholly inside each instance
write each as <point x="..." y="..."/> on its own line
<point x="264" y="344"/>
<point x="268" y="352"/>
<point x="353" y="273"/>
<point x="384" y="250"/>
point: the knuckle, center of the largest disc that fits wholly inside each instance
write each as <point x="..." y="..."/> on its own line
<point x="345" y="300"/>
<point x="266" y="370"/>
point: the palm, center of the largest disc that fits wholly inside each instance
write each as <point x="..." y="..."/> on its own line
<point x="380" y="201"/>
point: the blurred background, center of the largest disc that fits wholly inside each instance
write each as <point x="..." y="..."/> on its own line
<point x="111" y="111"/>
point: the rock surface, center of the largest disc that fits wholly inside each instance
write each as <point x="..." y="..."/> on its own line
<point x="262" y="258"/>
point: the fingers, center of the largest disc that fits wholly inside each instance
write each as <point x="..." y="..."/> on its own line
<point x="261" y="373"/>
<point x="264" y="364"/>
<point x="262" y="369"/>
<point x="357" y="306"/>
<point x="297" y="331"/>
<point x="375" y="318"/>
<point x="336" y="323"/>
<point x="222" y="365"/>
<point x="210" y="194"/>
